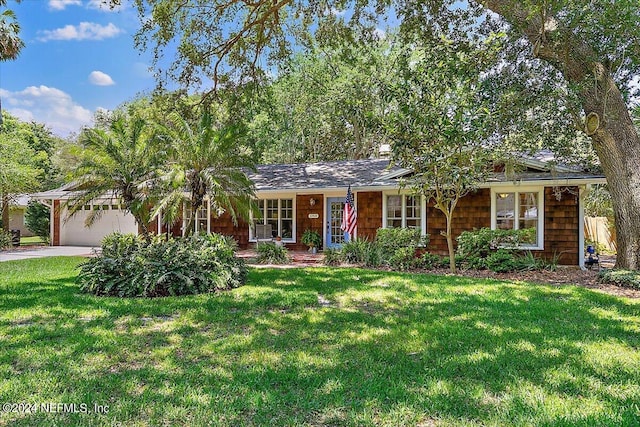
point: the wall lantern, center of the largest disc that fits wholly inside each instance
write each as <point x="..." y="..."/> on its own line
<point x="312" y="201"/>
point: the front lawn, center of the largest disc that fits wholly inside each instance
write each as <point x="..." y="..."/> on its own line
<point x="317" y="347"/>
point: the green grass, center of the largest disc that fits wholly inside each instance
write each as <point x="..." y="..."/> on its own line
<point x="33" y="240"/>
<point x="319" y="347"/>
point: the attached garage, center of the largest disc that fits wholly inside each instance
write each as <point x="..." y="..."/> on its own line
<point x="112" y="219"/>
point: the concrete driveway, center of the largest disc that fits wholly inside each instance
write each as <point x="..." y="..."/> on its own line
<point x="46" y="251"/>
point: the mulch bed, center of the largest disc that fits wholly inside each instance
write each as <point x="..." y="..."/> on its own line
<point x="562" y="276"/>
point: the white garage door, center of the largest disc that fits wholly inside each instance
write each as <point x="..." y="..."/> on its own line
<point x="73" y="231"/>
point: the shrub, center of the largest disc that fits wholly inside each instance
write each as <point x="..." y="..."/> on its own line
<point x="118" y="245"/>
<point x="623" y="278"/>
<point x="36" y="218"/>
<point x="480" y="243"/>
<point x="5" y="239"/>
<point x="332" y="256"/>
<point x="127" y="267"/>
<point x="529" y="262"/>
<point x="474" y="262"/>
<point x="429" y="261"/>
<point x="403" y="258"/>
<point x="397" y="246"/>
<point x="356" y="251"/>
<point x="390" y="239"/>
<point x="270" y="253"/>
<point x="502" y="261"/>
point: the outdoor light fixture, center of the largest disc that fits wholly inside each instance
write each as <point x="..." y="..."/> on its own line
<point x="312" y="201"/>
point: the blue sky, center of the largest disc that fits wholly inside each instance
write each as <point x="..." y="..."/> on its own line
<point x="78" y="58"/>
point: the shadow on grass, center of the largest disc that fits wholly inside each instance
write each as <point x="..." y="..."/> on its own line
<point x="326" y="347"/>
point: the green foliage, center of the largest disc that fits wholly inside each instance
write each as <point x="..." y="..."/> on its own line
<point x="10" y="42"/>
<point x="209" y="161"/>
<point x="128" y="267"/>
<point x="403" y="259"/>
<point x="270" y="253"/>
<point x="124" y="159"/>
<point x="5" y="239"/>
<point x="391" y="239"/>
<point x="502" y="261"/>
<point x="311" y="238"/>
<point x="430" y="261"/>
<point x="361" y="252"/>
<point x="332" y="256"/>
<point x="480" y="243"/>
<point x="623" y="278"/>
<point x="37" y="219"/>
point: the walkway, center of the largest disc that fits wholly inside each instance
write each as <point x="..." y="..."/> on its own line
<point x="298" y="259"/>
<point x="45" y="251"/>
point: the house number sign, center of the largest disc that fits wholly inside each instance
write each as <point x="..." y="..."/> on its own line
<point x="314" y="216"/>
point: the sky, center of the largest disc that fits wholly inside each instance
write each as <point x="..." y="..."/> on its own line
<point x="78" y="57"/>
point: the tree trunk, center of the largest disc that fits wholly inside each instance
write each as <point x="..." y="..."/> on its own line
<point x="614" y="138"/>
<point x="5" y="212"/>
<point x="449" y="235"/>
<point x="452" y="253"/>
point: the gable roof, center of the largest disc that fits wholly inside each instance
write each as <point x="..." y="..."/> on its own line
<point x="373" y="173"/>
<point x="307" y="176"/>
<point x="363" y="174"/>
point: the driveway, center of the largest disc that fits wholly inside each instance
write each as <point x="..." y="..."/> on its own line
<point x="46" y="251"/>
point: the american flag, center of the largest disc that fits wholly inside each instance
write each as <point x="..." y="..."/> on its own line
<point x="350" y="217"/>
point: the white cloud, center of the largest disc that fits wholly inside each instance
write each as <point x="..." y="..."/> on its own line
<point x="62" y="4"/>
<point x="82" y="31"/>
<point x="49" y="106"/>
<point x="99" y="78"/>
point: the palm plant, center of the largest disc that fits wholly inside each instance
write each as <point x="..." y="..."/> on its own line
<point x="10" y="42"/>
<point x="123" y="161"/>
<point x="208" y="162"/>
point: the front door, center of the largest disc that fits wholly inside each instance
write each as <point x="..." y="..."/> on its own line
<point x="335" y="209"/>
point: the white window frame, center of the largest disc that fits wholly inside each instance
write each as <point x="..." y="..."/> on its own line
<point x="403" y="195"/>
<point x="517" y="190"/>
<point x="188" y="212"/>
<point x="262" y="201"/>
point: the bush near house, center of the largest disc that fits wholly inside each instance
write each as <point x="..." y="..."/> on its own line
<point x="622" y="278"/>
<point x="498" y="251"/>
<point x="129" y="267"/>
<point x="270" y="253"/>
<point x="393" y="247"/>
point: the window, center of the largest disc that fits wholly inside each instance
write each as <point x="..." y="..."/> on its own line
<point x="201" y="220"/>
<point x="403" y="210"/>
<point x="519" y="210"/>
<point x="278" y="213"/>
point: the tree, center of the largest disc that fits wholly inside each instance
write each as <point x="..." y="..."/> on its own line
<point x="207" y="161"/>
<point x="593" y="47"/>
<point x="19" y="170"/>
<point x="37" y="219"/>
<point x="326" y="104"/>
<point x="597" y="51"/>
<point x="439" y="125"/>
<point x="10" y="42"/>
<point x="122" y="161"/>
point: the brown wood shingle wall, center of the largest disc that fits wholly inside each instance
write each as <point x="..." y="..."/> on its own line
<point x="472" y="212"/>
<point x="303" y="210"/>
<point x="369" y="213"/>
<point x="561" y="218"/>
